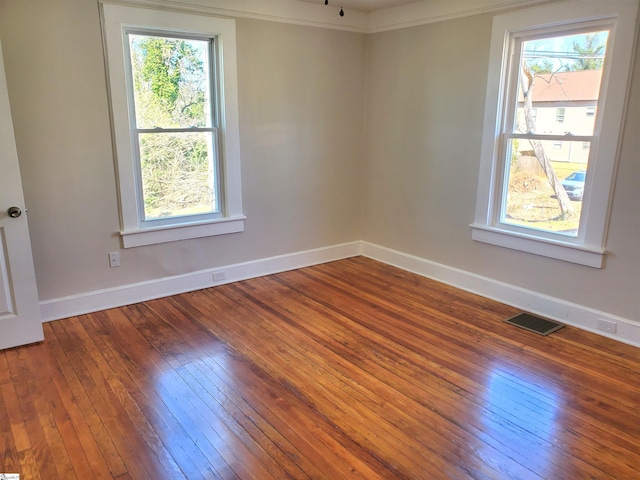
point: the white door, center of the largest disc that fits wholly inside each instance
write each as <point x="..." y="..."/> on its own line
<point x="20" y="320"/>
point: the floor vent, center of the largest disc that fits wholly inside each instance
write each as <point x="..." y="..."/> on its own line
<point x="534" y="324"/>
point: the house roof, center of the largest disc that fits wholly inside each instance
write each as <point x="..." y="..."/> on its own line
<point x="581" y="85"/>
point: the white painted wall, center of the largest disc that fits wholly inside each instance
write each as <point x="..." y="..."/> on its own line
<point x="301" y="103"/>
<point x="425" y="104"/>
<point x="315" y="173"/>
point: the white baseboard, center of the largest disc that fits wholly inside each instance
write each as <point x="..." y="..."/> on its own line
<point x="94" y="301"/>
<point x="530" y="301"/>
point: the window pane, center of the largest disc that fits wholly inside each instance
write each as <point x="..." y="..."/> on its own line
<point x="558" y="85"/>
<point x="170" y="82"/>
<point x="177" y="172"/>
<point x="530" y="200"/>
<point x="560" y="78"/>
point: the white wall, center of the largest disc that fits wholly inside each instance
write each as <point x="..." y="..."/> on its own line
<point x="425" y="105"/>
<point x="314" y="172"/>
<point x="301" y="103"/>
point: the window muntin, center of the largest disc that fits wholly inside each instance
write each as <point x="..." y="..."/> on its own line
<point x="173" y="113"/>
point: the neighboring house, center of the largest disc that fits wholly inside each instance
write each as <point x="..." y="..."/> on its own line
<point x="566" y="103"/>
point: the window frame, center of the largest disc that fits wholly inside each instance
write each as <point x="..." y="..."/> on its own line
<point x="117" y="22"/>
<point x="589" y="246"/>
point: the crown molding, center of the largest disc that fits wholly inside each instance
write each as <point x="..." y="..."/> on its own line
<point x="317" y="15"/>
<point x="430" y="11"/>
<point x="281" y="11"/>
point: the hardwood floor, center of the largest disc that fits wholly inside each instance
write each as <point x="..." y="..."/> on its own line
<point x="348" y="370"/>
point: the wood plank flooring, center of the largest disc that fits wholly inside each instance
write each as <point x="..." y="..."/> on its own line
<point x="347" y="370"/>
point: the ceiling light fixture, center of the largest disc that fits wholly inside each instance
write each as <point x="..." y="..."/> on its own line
<point x="326" y="2"/>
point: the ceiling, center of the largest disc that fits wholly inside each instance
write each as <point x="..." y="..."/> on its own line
<point x="364" y="5"/>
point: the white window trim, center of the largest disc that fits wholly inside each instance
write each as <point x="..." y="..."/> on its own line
<point x="115" y="18"/>
<point x="589" y="247"/>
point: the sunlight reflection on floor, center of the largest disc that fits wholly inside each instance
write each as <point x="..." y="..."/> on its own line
<point x="528" y="409"/>
<point x="196" y="390"/>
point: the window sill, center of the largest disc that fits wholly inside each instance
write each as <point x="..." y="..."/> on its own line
<point x="173" y="233"/>
<point x="579" y="254"/>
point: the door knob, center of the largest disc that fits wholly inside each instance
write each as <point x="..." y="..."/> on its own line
<point x="14" y="212"/>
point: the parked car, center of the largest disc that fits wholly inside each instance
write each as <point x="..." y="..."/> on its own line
<point x="574" y="184"/>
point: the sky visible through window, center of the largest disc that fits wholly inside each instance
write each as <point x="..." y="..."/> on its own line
<point x="561" y="53"/>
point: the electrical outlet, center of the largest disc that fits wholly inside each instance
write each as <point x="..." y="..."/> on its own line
<point x="607" y="326"/>
<point x="219" y="276"/>
<point x="114" y="259"/>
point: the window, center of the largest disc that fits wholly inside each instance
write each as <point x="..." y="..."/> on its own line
<point x="173" y="123"/>
<point x="539" y="190"/>
<point x="172" y="79"/>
